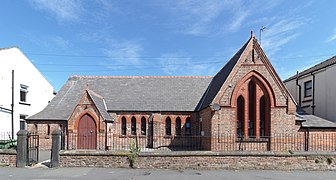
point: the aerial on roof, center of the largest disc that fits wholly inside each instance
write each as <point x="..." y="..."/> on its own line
<point x="147" y="93"/>
<point x="324" y="64"/>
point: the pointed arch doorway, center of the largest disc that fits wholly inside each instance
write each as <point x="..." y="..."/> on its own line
<point x="87" y="133"/>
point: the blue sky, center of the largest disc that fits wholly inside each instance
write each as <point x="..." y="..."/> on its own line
<point x="164" y="38"/>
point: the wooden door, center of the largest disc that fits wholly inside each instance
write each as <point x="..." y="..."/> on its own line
<point x="87" y="134"/>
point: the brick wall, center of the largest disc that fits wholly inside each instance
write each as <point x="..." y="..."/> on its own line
<point x="201" y="160"/>
<point x="7" y="157"/>
<point x="206" y="115"/>
<point x="86" y="106"/>
<point x="224" y="122"/>
<point x="159" y="122"/>
<point x="44" y="129"/>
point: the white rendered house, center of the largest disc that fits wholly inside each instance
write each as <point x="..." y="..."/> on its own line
<point x="314" y="89"/>
<point x="32" y="92"/>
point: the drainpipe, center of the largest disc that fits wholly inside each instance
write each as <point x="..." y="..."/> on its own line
<point x="12" y="111"/>
<point x="313" y="102"/>
<point x="297" y="84"/>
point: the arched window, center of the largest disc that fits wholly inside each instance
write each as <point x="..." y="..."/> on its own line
<point x="143" y="126"/>
<point x="252" y="109"/>
<point x="36" y="130"/>
<point x="188" y="126"/>
<point x="262" y="116"/>
<point x="168" y="126"/>
<point x="133" y="126"/>
<point x="123" y="126"/>
<point x="178" y="126"/>
<point x="240" y="116"/>
<point x="48" y="129"/>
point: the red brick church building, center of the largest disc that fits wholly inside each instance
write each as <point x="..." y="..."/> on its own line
<point x="246" y="101"/>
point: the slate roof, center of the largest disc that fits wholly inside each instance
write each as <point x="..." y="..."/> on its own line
<point x="317" y="67"/>
<point x="316" y="122"/>
<point x="128" y="93"/>
<point x="312" y="121"/>
<point x="99" y="101"/>
<point x="219" y="79"/>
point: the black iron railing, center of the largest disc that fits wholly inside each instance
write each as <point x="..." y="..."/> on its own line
<point x="222" y="142"/>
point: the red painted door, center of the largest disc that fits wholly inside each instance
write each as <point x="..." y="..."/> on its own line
<point x="87" y="134"/>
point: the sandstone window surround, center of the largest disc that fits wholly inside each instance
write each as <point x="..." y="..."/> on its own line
<point x="178" y="126"/>
<point x="253" y="110"/>
<point x="133" y="126"/>
<point x="168" y="126"/>
<point x="143" y="126"/>
<point x="123" y="126"/>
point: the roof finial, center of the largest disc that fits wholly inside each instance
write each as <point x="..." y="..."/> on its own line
<point x="252" y="33"/>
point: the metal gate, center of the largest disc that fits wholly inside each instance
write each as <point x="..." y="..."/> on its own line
<point x="33" y="148"/>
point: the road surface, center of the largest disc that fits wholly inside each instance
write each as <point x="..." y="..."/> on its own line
<point x="40" y="173"/>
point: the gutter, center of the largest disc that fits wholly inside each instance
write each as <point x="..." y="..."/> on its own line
<point x="1" y="108"/>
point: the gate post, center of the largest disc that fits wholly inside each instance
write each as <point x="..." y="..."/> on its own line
<point x="55" y="148"/>
<point x="22" y="148"/>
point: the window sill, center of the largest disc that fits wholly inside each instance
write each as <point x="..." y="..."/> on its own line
<point x="24" y="103"/>
<point x="306" y="106"/>
<point x="308" y="97"/>
<point x="122" y="136"/>
<point x="307" y="100"/>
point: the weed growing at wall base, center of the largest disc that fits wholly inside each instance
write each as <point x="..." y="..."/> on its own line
<point x="134" y="153"/>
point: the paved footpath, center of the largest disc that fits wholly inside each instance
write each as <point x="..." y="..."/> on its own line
<point x="155" y="174"/>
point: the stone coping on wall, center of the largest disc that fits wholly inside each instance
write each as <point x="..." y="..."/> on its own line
<point x="8" y="151"/>
<point x="202" y="160"/>
<point x="7" y="157"/>
<point x="194" y="153"/>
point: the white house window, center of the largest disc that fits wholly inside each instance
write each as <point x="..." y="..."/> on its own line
<point x="308" y="89"/>
<point x="23" y="93"/>
<point x="23" y="121"/>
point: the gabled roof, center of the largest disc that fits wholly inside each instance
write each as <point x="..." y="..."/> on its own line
<point x="100" y="104"/>
<point x="219" y="79"/>
<point x="324" y="64"/>
<point x="128" y="93"/>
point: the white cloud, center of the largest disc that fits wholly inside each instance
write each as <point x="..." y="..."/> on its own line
<point x="280" y="33"/>
<point x="289" y="71"/>
<point x="194" y="17"/>
<point x="238" y="20"/>
<point x="60" y="41"/>
<point x="182" y="64"/>
<point x="63" y="10"/>
<point x="124" y="53"/>
<point x="332" y="37"/>
<point x="197" y="17"/>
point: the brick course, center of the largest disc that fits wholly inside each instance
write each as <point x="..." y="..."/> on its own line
<point x="7" y="157"/>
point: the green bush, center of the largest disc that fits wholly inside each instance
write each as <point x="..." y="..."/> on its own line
<point x="134" y="153"/>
